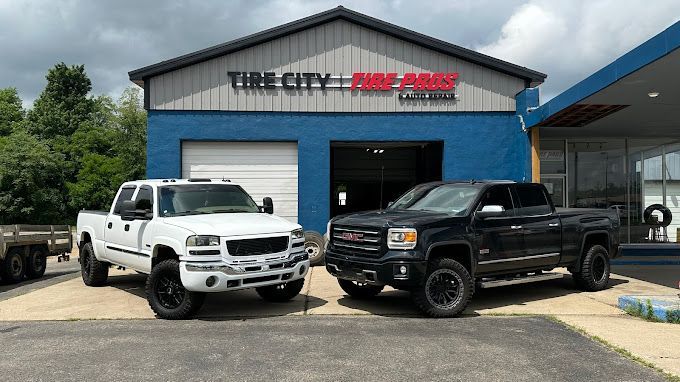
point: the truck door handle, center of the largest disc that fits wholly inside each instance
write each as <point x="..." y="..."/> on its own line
<point x="127" y="227"/>
<point x="554" y="225"/>
<point x="110" y="225"/>
<point x="515" y="227"/>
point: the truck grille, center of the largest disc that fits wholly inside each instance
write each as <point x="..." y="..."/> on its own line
<point x="260" y="246"/>
<point x="357" y="241"/>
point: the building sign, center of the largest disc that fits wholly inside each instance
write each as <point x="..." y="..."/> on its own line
<point x="426" y="84"/>
<point x="552" y="155"/>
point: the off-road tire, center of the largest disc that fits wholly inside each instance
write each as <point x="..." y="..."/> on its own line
<point x="440" y="273"/>
<point x="13" y="267"/>
<point x="281" y="292"/>
<point x="359" y="290"/>
<point x="164" y="283"/>
<point x="314" y="246"/>
<point x="595" y="270"/>
<point x="93" y="271"/>
<point x="36" y="263"/>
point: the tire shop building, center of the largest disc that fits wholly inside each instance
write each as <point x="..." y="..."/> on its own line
<point x="337" y="112"/>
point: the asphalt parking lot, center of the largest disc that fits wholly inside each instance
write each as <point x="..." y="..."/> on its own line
<point x="322" y="332"/>
<point x="311" y="348"/>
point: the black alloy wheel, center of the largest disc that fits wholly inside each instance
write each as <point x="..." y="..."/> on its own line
<point x="443" y="289"/>
<point x="170" y="292"/>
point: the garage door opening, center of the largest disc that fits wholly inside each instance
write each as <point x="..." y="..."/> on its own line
<point x="369" y="175"/>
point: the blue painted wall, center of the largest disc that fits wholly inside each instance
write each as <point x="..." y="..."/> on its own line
<point x="489" y="145"/>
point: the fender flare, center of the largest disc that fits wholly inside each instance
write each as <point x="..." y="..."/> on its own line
<point x="167" y="242"/>
<point x="473" y="264"/>
<point x="583" y="245"/>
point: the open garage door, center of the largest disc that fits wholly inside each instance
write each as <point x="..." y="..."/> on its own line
<point x="261" y="168"/>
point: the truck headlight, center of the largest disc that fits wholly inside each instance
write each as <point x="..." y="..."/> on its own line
<point x="203" y="241"/>
<point x="402" y="238"/>
<point x="297" y="234"/>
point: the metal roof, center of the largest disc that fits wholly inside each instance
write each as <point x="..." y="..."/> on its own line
<point x="531" y="77"/>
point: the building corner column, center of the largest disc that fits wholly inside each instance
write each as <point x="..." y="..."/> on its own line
<point x="535" y="155"/>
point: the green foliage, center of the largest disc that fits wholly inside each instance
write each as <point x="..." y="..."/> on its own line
<point x="97" y="181"/>
<point x="11" y="110"/>
<point x="131" y="120"/>
<point x="63" y="105"/>
<point x="70" y="151"/>
<point x="30" y="175"/>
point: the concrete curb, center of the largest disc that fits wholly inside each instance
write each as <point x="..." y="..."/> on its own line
<point x="662" y="308"/>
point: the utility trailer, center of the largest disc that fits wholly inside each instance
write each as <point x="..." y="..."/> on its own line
<point x="24" y="249"/>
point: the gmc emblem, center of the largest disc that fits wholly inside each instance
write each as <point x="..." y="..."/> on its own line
<point x="352" y="236"/>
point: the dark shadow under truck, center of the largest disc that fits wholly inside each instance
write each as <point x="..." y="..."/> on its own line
<point x="441" y="240"/>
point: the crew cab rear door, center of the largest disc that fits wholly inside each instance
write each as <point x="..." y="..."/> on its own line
<point x="540" y="225"/>
<point x="129" y="243"/>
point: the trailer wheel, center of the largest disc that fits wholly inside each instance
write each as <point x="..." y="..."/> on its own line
<point x="36" y="263"/>
<point x="281" y="292"/>
<point x="166" y="294"/>
<point x="446" y="291"/>
<point x="314" y="246"/>
<point x="13" y="268"/>
<point x="93" y="271"/>
<point x="595" y="269"/>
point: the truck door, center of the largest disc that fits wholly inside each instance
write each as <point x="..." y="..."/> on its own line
<point x="540" y="225"/>
<point x="499" y="238"/>
<point x="113" y="231"/>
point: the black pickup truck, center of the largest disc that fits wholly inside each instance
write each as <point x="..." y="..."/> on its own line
<point x="441" y="240"/>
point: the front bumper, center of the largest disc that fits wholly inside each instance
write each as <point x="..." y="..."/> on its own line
<point x="196" y="276"/>
<point x="384" y="271"/>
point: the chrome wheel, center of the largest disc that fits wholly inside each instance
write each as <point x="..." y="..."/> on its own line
<point x="443" y="289"/>
<point x="313" y="249"/>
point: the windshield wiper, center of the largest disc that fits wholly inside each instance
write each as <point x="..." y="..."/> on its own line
<point x="229" y="211"/>
<point x="184" y="213"/>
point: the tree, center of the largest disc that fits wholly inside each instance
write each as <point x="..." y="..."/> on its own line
<point x="131" y="122"/>
<point x="63" y="105"/>
<point x="11" y="110"/>
<point x="30" y="179"/>
<point x="97" y="183"/>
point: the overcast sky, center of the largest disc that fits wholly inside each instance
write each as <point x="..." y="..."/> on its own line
<point x="566" y="39"/>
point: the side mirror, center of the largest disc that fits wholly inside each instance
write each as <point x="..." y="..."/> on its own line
<point x="129" y="212"/>
<point x="490" y="211"/>
<point x="268" y="205"/>
<point x="389" y="204"/>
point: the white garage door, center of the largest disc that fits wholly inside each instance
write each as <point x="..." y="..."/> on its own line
<point x="261" y="168"/>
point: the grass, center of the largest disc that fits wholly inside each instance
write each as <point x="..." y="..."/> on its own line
<point x="623" y="352"/>
<point x="646" y="311"/>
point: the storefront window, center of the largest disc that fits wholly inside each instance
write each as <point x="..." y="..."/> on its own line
<point x="553" y="170"/>
<point x="597" y="174"/>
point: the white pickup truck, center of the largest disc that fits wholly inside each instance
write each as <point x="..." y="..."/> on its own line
<point x="193" y="236"/>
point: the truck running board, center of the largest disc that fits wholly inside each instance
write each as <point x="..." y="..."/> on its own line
<point x="519" y="280"/>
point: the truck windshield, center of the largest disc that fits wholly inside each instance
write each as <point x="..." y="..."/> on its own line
<point x="194" y="199"/>
<point x="447" y="198"/>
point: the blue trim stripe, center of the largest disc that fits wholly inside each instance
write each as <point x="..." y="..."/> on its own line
<point x="645" y="262"/>
<point x="646" y="53"/>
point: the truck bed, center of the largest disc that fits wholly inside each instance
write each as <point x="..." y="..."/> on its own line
<point x="58" y="238"/>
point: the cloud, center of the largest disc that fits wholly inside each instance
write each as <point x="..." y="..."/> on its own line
<point x="569" y="40"/>
<point x="565" y="39"/>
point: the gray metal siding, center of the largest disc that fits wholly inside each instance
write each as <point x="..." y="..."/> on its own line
<point x="339" y="48"/>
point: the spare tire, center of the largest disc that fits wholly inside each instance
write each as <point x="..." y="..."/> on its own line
<point x="665" y="211"/>
<point x="315" y="247"/>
